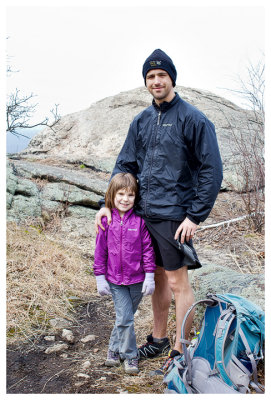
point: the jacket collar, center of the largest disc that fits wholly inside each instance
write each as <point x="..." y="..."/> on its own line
<point x="126" y="215"/>
<point x="166" y="105"/>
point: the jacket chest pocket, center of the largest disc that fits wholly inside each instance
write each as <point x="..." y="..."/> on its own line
<point x="132" y="240"/>
<point x="170" y="148"/>
<point x="170" y="137"/>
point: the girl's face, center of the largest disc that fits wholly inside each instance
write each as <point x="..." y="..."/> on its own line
<point x="124" y="200"/>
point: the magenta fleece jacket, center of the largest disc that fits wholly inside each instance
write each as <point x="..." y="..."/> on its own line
<point x="124" y="251"/>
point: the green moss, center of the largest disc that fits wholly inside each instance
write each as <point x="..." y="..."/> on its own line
<point x="11" y="332"/>
<point x="250" y="235"/>
<point x="134" y="388"/>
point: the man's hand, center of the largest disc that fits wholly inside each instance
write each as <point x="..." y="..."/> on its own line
<point x="186" y="229"/>
<point x="103" y="212"/>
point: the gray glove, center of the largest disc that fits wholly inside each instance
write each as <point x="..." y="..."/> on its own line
<point x="148" y="284"/>
<point x="102" y="285"/>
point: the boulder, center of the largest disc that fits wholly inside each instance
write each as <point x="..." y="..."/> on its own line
<point x="57" y="348"/>
<point x="23" y="207"/>
<point x="50" y="173"/>
<point x="69" y="194"/>
<point x="11" y="184"/>
<point x="95" y="136"/>
<point x="60" y="187"/>
<point x="46" y="178"/>
<point x="68" y="335"/>
<point x="217" y="279"/>
<point x="88" y="338"/>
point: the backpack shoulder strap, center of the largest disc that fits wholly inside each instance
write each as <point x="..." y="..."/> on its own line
<point x="223" y="326"/>
<point x="187" y="356"/>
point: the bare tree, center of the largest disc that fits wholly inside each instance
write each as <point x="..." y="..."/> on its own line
<point x="252" y="89"/>
<point x="20" y="111"/>
<point x="248" y="146"/>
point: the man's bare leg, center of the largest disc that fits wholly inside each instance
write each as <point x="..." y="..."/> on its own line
<point x="184" y="297"/>
<point x="161" y="299"/>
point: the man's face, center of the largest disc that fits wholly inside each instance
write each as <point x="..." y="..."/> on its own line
<point x="159" y="84"/>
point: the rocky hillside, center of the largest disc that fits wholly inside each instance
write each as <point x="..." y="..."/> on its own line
<point x="94" y="136"/>
<point x="65" y="170"/>
<point x="53" y="189"/>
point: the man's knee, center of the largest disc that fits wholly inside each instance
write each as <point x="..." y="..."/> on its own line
<point x="178" y="280"/>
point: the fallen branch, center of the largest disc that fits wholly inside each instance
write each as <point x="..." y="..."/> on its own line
<point x="52" y="377"/>
<point x="229" y="221"/>
<point x="16" y="383"/>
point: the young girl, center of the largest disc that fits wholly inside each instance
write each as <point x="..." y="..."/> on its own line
<point x="124" y="266"/>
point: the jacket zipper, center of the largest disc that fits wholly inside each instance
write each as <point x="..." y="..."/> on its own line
<point x="121" y="223"/>
<point x="158" y="119"/>
<point x="157" y="125"/>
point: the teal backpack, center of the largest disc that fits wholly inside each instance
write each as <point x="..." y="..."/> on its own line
<point x="224" y="355"/>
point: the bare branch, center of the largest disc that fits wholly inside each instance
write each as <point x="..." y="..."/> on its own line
<point x="247" y="146"/>
<point x="253" y="89"/>
<point x="230" y="221"/>
<point x="19" y="111"/>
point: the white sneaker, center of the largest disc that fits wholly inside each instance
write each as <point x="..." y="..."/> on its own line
<point x="131" y="366"/>
<point x="113" y="359"/>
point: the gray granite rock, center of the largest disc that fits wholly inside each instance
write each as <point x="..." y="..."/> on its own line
<point x="95" y="136"/>
<point x="217" y="279"/>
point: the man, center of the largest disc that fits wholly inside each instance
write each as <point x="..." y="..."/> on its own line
<point x="171" y="148"/>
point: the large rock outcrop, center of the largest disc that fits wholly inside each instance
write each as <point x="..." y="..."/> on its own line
<point x="64" y="172"/>
<point x="43" y="192"/>
<point x="94" y="136"/>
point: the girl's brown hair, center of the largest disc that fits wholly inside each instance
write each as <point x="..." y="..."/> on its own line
<point x="119" y="181"/>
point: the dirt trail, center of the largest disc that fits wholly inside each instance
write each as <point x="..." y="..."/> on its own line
<point x="31" y="370"/>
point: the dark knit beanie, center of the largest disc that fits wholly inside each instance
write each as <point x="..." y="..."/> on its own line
<point x="160" y="60"/>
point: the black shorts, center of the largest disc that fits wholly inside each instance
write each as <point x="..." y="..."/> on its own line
<point x="168" y="252"/>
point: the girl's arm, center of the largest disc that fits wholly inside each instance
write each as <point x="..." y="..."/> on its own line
<point x="101" y="252"/>
<point x="147" y="249"/>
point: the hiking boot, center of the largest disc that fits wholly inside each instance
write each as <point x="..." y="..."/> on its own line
<point x="163" y="369"/>
<point x="113" y="359"/>
<point x="131" y="366"/>
<point x="153" y="349"/>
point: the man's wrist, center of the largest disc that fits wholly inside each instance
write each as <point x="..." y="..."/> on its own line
<point x="193" y="219"/>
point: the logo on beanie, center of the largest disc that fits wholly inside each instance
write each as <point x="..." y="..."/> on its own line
<point x="155" y="63"/>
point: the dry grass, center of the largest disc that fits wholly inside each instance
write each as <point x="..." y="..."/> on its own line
<point x="235" y="245"/>
<point x="42" y="278"/>
<point x="44" y="272"/>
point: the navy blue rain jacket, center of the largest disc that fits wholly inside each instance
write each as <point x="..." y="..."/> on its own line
<point x="173" y="152"/>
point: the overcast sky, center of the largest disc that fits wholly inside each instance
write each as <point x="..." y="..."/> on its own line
<point x="75" y="55"/>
